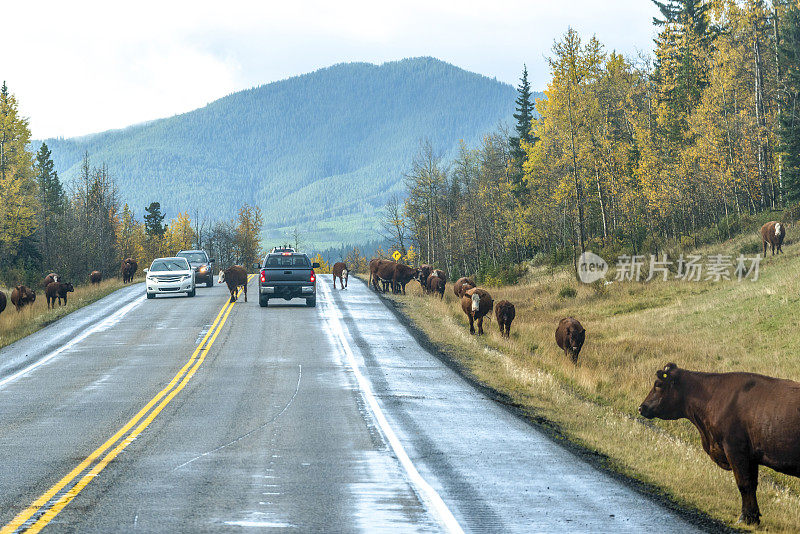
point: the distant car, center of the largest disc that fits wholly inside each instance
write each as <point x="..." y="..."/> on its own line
<point x="287" y="275"/>
<point x="170" y="275"/>
<point x="202" y="265"/>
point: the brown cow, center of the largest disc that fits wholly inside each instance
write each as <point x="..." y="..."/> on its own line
<point x="396" y="273"/>
<point x="462" y="285"/>
<point x="95" y="277"/>
<point x="341" y="272"/>
<point x="745" y="420"/>
<point x="435" y="285"/>
<point x="425" y="271"/>
<point x="57" y="290"/>
<point x="570" y="336"/>
<point x="504" y="312"/>
<point x="22" y="296"/>
<point x="476" y="303"/>
<point x="773" y="233"/>
<point x="128" y="269"/>
<point x="49" y="279"/>
<point x="2" y="301"/>
<point x="235" y="277"/>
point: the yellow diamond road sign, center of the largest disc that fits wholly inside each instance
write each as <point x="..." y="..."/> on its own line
<point x="397" y="255"/>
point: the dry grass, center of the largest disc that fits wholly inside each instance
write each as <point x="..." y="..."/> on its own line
<point x="632" y="330"/>
<point x="14" y="326"/>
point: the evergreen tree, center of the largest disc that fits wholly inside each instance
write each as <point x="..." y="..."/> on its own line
<point x="524" y="117"/>
<point x="154" y="219"/>
<point x="52" y="202"/>
<point x="789" y="59"/>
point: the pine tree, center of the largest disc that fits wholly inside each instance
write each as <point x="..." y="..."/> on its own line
<point x="524" y="117"/>
<point x="154" y="219"/>
<point x="52" y="201"/>
<point x="789" y="59"/>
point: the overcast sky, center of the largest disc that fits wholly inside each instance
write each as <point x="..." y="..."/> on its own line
<point x="84" y="66"/>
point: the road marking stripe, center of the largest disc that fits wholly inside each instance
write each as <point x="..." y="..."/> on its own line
<point x="433" y="500"/>
<point x="36" y="506"/>
<point x="83" y="482"/>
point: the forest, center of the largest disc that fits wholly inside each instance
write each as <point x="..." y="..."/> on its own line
<point x="670" y="149"/>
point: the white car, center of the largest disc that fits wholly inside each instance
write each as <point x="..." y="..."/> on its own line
<point x="170" y="275"/>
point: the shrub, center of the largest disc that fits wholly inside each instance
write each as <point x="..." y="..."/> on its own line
<point x="568" y="292"/>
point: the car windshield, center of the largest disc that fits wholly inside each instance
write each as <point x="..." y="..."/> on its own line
<point x="287" y="261"/>
<point x="194" y="257"/>
<point x="170" y="265"/>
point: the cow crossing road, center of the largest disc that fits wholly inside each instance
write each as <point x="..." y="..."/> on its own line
<point x="309" y="419"/>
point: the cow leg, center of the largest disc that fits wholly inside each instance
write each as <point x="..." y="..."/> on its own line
<point x="471" y="324"/>
<point x="745" y="470"/>
<point x="334" y="281"/>
<point x="245" y="290"/>
<point x="480" y="326"/>
<point x="765" y="249"/>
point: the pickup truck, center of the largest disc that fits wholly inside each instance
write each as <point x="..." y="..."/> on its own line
<point x="287" y="275"/>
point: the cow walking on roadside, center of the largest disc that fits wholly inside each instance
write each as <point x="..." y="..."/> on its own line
<point x="341" y="272"/>
<point x="95" y="277"/>
<point x="128" y="269"/>
<point x="745" y="420"/>
<point x="504" y="312"/>
<point x="570" y="336"/>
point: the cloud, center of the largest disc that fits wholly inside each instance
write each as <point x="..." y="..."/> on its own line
<point x="88" y="66"/>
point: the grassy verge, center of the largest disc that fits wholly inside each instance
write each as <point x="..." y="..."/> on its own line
<point x="15" y="326"/>
<point x="632" y="330"/>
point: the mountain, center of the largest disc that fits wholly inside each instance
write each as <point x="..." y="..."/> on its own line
<point x="321" y="152"/>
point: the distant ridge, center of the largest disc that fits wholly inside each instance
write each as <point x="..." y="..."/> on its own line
<point x="322" y="151"/>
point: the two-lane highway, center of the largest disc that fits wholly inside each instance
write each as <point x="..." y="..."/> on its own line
<point x="213" y="418"/>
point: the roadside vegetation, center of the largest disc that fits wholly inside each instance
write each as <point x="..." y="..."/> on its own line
<point x="34" y="317"/>
<point x="633" y="329"/>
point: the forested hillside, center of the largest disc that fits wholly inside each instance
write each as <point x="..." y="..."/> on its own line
<point x="322" y="151"/>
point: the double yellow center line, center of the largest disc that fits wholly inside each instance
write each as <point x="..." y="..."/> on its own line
<point x="41" y="511"/>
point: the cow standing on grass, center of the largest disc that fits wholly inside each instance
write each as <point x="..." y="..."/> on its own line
<point x="436" y="284"/>
<point x="504" y="312"/>
<point x="570" y="336"/>
<point x="476" y="303"/>
<point x="128" y="269"/>
<point x="772" y="234"/>
<point x="95" y="277"/>
<point x="21" y="296"/>
<point x="340" y="271"/>
<point x="396" y="274"/>
<point x="235" y="277"/>
<point x="57" y="290"/>
<point x="2" y="301"/>
<point x="745" y="420"/>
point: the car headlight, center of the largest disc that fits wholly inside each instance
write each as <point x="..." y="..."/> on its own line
<point x="202" y="269"/>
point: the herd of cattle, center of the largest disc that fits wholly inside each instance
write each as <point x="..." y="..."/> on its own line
<point x="476" y="302"/>
<point x="56" y="291"/>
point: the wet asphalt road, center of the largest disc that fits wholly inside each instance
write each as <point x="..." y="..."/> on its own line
<point x="327" y="419"/>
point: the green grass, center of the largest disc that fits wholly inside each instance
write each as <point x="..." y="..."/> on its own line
<point x="15" y="326"/>
<point x="632" y="330"/>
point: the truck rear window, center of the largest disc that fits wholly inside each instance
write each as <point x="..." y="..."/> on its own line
<point x="288" y="261"/>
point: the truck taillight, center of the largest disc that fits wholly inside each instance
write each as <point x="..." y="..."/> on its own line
<point x="313" y="277"/>
<point x="263" y="276"/>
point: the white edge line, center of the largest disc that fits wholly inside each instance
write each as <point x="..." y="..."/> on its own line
<point x="105" y="323"/>
<point x="431" y="497"/>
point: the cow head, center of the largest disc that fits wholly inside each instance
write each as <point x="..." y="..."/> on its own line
<point x="424" y="273"/>
<point x="221" y="277"/>
<point x="777" y="229"/>
<point x="30" y="294"/>
<point x="67" y="287"/>
<point x="664" y="400"/>
<point x="576" y="335"/>
<point x="476" y="301"/>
